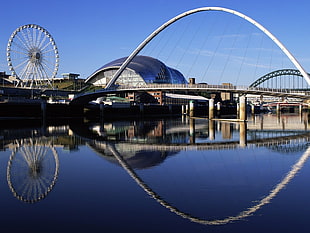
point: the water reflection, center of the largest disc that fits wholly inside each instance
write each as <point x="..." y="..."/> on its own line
<point x="244" y="214"/>
<point x="32" y="169"/>
<point x="33" y="165"/>
<point x="286" y="137"/>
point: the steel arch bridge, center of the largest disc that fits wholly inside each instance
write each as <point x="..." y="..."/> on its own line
<point x="202" y="9"/>
<point x="275" y="74"/>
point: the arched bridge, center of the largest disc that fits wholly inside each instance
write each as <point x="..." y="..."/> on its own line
<point x="252" y="89"/>
<point x="278" y="73"/>
<point x="208" y="9"/>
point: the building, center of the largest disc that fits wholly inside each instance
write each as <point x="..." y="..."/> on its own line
<point x="140" y="71"/>
<point x="70" y="76"/>
<point x="69" y="81"/>
<point x="6" y="80"/>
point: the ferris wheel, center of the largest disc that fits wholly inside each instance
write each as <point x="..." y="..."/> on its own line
<point x="32" y="56"/>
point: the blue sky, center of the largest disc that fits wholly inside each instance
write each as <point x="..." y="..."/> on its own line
<point x="91" y="33"/>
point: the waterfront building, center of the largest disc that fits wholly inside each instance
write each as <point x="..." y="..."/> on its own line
<point x="142" y="70"/>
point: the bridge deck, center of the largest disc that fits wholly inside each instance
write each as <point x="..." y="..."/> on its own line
<point x="193" y="88"/>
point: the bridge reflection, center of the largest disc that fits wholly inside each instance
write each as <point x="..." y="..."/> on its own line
<point x="33" y="166"/>
<point x="189" y="132"/>
<point x="280" y="140"/>
<point x="243" y="214"/>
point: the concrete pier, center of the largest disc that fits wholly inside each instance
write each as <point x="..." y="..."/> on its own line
<point x="191" y="108"/>
<point x="192" y="136"/>
<point x="242" y="114"/>
<point x="238" y="110"/>
<point x="211" y="130"/>
<point x="211" y="108"/>
<point x="243" y="134"/>
<point x="252" y="109"/>
<point x="218" y="109"/>
<point x="183" y="109"/>
<point x="278" y="109"/>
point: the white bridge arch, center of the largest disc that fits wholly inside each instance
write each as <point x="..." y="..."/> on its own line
<point x="190" y="12"/>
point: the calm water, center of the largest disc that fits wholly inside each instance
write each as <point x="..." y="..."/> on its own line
<point x="163" y="175"/>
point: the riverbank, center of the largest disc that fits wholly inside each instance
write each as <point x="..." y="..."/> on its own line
<point x="38" y="109"/>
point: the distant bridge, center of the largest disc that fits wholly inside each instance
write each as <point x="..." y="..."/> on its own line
<point x="279" y="73"/>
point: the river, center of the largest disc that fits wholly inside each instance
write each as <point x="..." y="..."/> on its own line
<point x="156" y="175"/>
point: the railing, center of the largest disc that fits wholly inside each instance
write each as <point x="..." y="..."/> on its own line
<point x="202" y="87"/>
<point x="211" y="87"/>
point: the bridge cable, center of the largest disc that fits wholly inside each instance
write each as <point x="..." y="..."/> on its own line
<point x="270" y="61"/>
<point x="166" y="42"/>
<point x="243" y="58"/>
<point x="259" y="55"/>
<point x="189" y="44"/>
<point x="176" y="44"/>
<point x="151" y="49"/>
<point x="230" y="52"/>
<point x="198" y="54"/>
<point x="215" y="52"/>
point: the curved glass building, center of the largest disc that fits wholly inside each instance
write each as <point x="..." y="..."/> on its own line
<point x="140" y="71"/>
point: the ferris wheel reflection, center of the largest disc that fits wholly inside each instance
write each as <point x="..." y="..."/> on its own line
<point x="32" y="170"/>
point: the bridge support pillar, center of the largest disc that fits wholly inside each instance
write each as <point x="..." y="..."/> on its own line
<point x="211" y="130"/>
<point x="186" y="109"/>
<point x="191" y="108"/>
<point x="192" y="135"/>
<point x="242" y="111"/>
<point x="278" y="109"/>
<point x="253" y="109"/>
<point x="211" y="108"/>
<point x="183" y="109"/>
<point x="243" y="134"/>
<point x="238" y="110"/>
<point x="218" y="108"/>
<point x="300" y="109"/>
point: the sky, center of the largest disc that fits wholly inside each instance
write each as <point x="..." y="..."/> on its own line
<point x="91" y="33"/>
